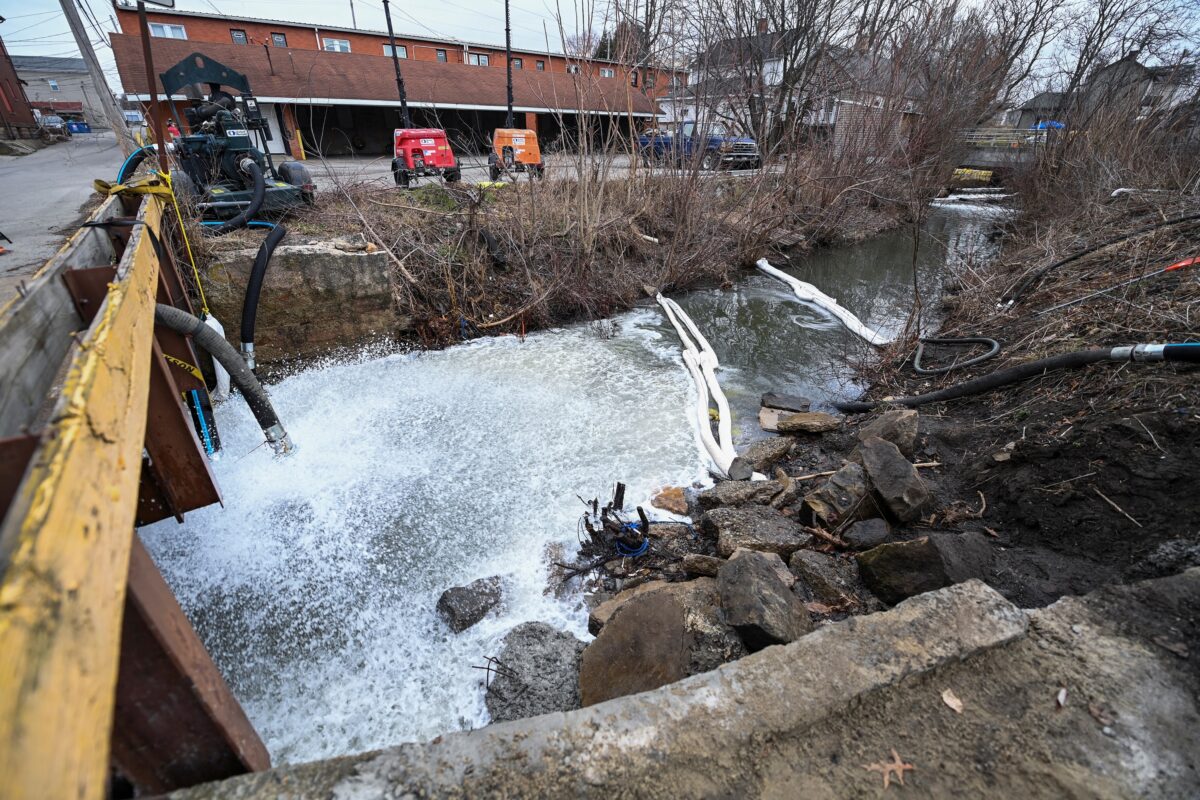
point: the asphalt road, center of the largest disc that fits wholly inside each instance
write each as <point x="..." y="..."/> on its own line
<point x="41" y="195"/>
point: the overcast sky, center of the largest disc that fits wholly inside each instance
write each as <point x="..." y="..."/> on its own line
<point x="37" y="27"/>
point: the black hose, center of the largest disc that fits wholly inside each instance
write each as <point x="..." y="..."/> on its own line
<point x="993" y="350"/>
<point x="1030" y="280"/>
<point x="254" y="289"/>
<point x="256" y="200"/>
<point x="239" y="373"/>
<point x="985" y="383"/>
<point x="134" y="161"/>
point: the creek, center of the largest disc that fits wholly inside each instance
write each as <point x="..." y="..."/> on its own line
<point x="314" y="586"/>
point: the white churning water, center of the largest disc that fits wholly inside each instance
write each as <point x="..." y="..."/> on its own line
<point x="314" y="587"/>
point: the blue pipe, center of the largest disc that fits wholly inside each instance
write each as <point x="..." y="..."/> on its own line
<point x="254" y="223"/>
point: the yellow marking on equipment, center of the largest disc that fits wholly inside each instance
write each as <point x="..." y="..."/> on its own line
<point x="185" y="366"/>
<point x="65" y="548"/>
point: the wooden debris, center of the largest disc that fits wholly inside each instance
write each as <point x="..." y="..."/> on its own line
<point x="895" y="767"/>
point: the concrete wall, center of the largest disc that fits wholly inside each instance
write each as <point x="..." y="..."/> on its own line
<point x="315" y="299"/>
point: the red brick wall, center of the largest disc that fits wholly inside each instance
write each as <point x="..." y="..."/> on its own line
<point x="305" y="37"/>
<point x="14" y="105"/>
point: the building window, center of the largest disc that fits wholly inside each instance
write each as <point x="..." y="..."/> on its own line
<point x="164" y="31"/>
<point x="518" y="63"/>
<point x="279" y="39"/>
<point x="650" y="80"/>
<point x="238" y="36"/>
<point x="633" y="78"/>
<point x="607" y="72"/>
<point x="53" y="84"/>
<point x="541" y="66"/>
<point x="572" y="69"/>
<point x="401" y="51"/>
<point x="441" y="56"/>
<point x="478" y="59"/>
<point x="336" y="45"/>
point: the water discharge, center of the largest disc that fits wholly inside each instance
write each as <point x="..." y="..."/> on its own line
<point x="314" y="587"/>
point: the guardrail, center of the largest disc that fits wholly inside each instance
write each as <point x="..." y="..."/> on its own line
<point x="99" y="668"/>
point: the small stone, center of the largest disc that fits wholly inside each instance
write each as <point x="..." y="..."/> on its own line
<point x="671" y="499"/>
<point x="740" y="469"/>
<point x="764" y="453"/>
<point x="706" y="566"/>
<point x="867" y="533"/>
<point x="540" y="673"/>
<point x="737" y="493"/>
<point x="846" y="495"/>
<point x="786" y="402"/>
<point x="898" y="427"/>
<point x="755" y="528"/>
<point x="758" y="604"/>
<point x="776" y="562"/>
<point x="463" y="606"/>
<point x="896" y="480"/>
<point x="831" y="580"/>
<point x="809" y="422"/>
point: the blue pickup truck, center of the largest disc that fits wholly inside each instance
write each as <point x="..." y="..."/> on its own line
<point x="712" y="145"/>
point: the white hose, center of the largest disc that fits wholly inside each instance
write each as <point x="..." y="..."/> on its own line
<point x="701" y="363"/>
<point x="808" y="293"/>
<point x="222" y="391"/>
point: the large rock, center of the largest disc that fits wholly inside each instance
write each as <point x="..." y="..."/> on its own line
<point x="757" y="602"/>
<point x="656" y="638"/>
<point x="603" y="612"/>
<point x="846" y="495"/>
<point x="867" y="533"/>
<point x="463" y="606"/>
<point x="785" y="402"/>
<point x="895" y="480"/>
<point x="898" y="427"/>
<point x="899" y="570"/>
<point x="672" y="499"/>
<point x="765" y="452"/>
<point x="830" y="579"/>
<point x="697" y="564"/>
<point x="737" y="493"/>
<point x="539" y="673"/>
<point x="755" y="528"/>
<point x="808" y="422"/>
<point x="776" y="563"/>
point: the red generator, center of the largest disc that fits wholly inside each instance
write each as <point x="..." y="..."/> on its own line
<point x="422" y="151"/>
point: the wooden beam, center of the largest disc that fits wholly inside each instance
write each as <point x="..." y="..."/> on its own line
<point x="64" y="549"/>
<point x="176" y="722"/>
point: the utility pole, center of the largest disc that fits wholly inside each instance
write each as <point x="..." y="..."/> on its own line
<point x="508" y="121"/>
<point x="155" y="109"/>
<point x="107" y="102"/>
<point x="353" y="20"/>
<point x="405" y="120"/>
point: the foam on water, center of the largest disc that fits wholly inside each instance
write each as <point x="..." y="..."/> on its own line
<point x="314" y="587"/>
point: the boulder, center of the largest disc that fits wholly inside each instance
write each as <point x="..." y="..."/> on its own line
<point x="785" y="402"/>
<point x="867" y="533"/>
<point x="463" y="606"/>
<point x="846" y="495"/>
<point x="604" y="611"/>
<point x="671" y="499"/>
<point x="830" y="579"/>
<point x="696" y="564"/>
<point x="737" y="493"/>
<point x="539" y="675"/>
<point x="740" y="469"/>
<point x="658" y="638"/>
<point x="765" y="452"/>
<point x="895" y="480"/>
<point x="757" y="602"/>
<point x="898" y="427"/>
<point x="898" y="570"/>
<point x="808" y="422"/>
<point x="776" y="562"/>
<point x="755" y="528"/>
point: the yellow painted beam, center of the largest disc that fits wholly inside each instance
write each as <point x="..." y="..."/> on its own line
<point x="64" y="550"/>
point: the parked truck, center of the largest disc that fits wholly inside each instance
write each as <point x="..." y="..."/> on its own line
<point x="712" y="145"/>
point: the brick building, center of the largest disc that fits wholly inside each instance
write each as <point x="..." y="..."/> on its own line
<point x="16" y="115"/>
<point x="332" y="89"/>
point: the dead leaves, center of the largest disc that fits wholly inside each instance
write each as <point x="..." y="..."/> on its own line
<point x="951" y="699"/>
<point x="895" y="767"/>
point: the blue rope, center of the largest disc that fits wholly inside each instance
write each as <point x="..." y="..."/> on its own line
<point x="633" y="552"/>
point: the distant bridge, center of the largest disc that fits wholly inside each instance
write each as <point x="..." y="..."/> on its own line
<point x="997" y="148"/>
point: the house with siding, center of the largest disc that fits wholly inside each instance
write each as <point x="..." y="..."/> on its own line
<point x="332" y="89"/>
<point x="61" y="86"/>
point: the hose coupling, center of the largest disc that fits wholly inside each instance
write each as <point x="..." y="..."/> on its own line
<point x="279" y="440"/>
<point x="1143" y="352"/>
<point x="248" y="354"/>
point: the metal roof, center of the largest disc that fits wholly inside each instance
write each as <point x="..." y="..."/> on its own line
<point x="48" y="64"/>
